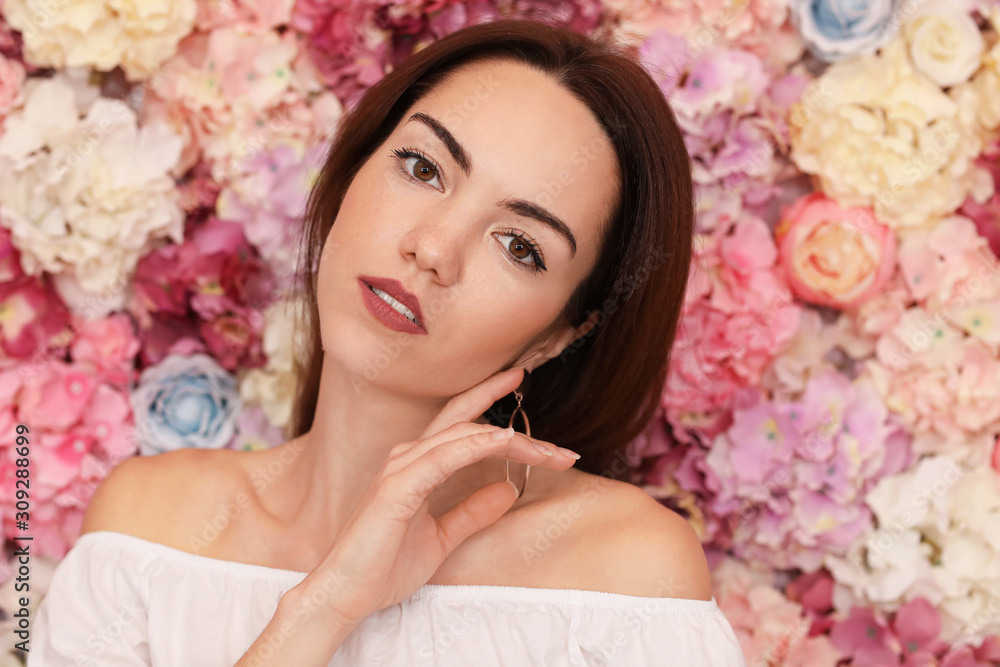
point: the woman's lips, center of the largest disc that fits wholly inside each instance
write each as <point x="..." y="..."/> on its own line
<point x="386" y="313"/>
<point x="397" y="291"/>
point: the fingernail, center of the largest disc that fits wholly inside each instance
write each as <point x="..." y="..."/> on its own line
<point x="542" y="448"/>
<point x="503" y="434"/>
<point x="514" y="486"/>
<point x="568" y="452"/>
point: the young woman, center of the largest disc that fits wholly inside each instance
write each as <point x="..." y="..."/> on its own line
<point x="515" y="198"/>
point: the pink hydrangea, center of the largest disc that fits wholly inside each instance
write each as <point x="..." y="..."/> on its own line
<point x="772" y="630"/>
<point x="732" y="116"/>
<point x="269" y="199"/>
<point x="263" y="14"/>
<point x="108" y="344"/>
<point x="347" y="61"/>
<point x="791" y="477"/>
<point x="80" y="427"/>
<point x="909" y="638"/>
<point x="757" y="26"/>
<point x="738" y="314"/>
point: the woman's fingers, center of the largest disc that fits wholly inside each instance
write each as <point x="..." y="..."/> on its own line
<point x="476" y="512"/>
<point x="522" y="445"/>
<point x="410" y="486"/>
<point x="473" y="402"/>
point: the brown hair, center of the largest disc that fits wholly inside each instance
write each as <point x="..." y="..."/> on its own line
<point x="603" y="389"/>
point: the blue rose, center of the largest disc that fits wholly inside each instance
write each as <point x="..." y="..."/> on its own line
<point x="837" y="29"/>
<point x="185" y="401"/>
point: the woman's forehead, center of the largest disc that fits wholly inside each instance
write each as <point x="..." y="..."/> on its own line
<point x="525" y="134"/>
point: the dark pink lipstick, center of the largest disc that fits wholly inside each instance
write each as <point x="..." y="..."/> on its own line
<point x="383" y="311"/>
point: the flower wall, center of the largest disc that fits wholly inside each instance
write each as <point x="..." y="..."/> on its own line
<point x="831" y="420"/>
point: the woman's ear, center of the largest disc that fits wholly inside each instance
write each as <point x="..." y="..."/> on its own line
<point x="566" y="337"/>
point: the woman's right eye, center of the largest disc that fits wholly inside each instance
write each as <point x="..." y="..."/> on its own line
<point x="423" y="166"/>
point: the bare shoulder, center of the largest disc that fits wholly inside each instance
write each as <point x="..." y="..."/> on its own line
<point x="151" y="497"/>
<point x="640" y="547"/>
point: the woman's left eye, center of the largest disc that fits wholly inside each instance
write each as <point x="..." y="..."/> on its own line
<point x="423" y="167"/>
<point x="522" y="247"/>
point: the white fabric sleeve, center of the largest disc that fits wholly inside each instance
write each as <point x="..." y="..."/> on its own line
<point x="93" y="613"/>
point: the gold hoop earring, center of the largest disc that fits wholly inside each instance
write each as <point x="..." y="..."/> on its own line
<point x="527" y="432"/>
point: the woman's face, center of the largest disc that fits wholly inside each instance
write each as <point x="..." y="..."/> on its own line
<point x="487" y="300"/>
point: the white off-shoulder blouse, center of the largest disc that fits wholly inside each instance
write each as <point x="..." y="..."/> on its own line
<point x="116" y="599"/>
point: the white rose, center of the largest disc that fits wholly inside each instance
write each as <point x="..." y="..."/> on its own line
<point x="944" y="42"/>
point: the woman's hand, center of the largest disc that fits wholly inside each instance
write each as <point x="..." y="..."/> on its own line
<point x="391" y="546"/>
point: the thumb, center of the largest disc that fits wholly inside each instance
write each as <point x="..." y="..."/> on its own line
<point x="474" y="513"/>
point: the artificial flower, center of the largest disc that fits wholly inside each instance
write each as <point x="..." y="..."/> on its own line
<point x="80" y="427"/>
<point x="986" y="215"/>
<point x="273" y="385"/>
<point x="254" y="431"/>
<point x="262" y="14"/>
<point x="769" y="626"/>
<point x="185" y="401"/>
<point x="934" y="538"/>
<point x="838" y="29"/>
<point x="85" y="196"/>
<point x="832" y="256"/>
<point x="756" y="26"/>
<point x="11" y="80"/>
<point x="269" y="199"/>
<point x="792" y="477"/>
<point x="738" y="313"/>
<point x="102" y="34"/>
<point x="943" y="41"/>
<point x="33" y="319"/>
<point x="234" y="91"/>
<point x="876" y="133"/>
<point x="214" y="275"/>
<point x="108" y="344"/>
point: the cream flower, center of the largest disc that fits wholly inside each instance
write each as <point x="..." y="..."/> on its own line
<point x="85" y="197"/>
<point x="944" y="42"/>
<point x="273" y="386"/>
<point x="986" y="82"/>
<point x="136" y="34"/>
<point x="877" y="133"/>
<point x="936" y="537"/>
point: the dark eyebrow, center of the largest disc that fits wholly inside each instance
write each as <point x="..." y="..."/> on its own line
<point x="520" y="207"/>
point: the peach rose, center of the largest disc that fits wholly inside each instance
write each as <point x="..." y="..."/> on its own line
<point x="833" y="256"/>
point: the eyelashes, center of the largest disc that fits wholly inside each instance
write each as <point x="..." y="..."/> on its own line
<point x="404" y="153"/>
<point x="537" y="264"/>
<point x="536" y="254"/>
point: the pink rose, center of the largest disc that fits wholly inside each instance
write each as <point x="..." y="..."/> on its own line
<point x="833" y="256"/>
